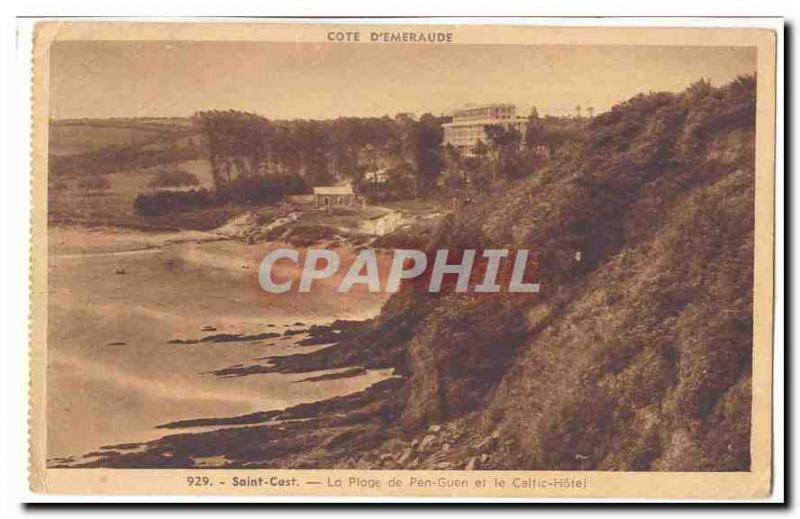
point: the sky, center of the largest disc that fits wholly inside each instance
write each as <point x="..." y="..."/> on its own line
<point x="328" y="80"/>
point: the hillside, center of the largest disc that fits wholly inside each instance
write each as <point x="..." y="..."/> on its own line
<point x="99" y="146"/>
<point x="77" y="136"/>
<point x="639" y="356"/>
<point x="635" y="357"/>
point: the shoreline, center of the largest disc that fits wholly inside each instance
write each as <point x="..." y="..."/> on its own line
<point x="161" y="260"/>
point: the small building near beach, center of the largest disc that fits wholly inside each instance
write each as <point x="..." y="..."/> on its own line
<point x="377" y="176"/>
<point x="336" y="197"/>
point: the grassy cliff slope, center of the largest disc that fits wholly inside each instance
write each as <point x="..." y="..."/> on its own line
<point x="637" y="357"/>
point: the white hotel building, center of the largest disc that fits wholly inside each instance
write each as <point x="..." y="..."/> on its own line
<point x="468" y="125"/>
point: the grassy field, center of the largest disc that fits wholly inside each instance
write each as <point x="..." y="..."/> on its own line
<point x="72" y="137"/>
<point x="69" y="204"/>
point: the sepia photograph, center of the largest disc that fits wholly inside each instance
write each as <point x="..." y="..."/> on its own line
<point x="400" y="249"/>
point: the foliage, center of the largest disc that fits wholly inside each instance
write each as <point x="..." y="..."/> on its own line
<point x="241" y="191"/>
<point x="166" y="202"/>
<point x="637" y="356"/>
<point x="260" y="190"/>
<point x="172" y="178"/>
<point x="427" y="138"/>
<point x="246" y="145"/>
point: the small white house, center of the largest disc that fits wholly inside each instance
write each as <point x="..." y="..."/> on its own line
<point x="335" y="197"/>
<point x="378" y="176"/>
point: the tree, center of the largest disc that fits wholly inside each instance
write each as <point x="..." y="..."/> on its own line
<point x="237" y="143"/>
<point x="240" y="144"/>
<point x="476" y="171"/>
<point x="452" y="158"/>
<point x="425" y="141"/>
<point x="533" y="132"/>
<point x="454" y="181"/>
<point x="481" y="150"/>
<point x="402" y="182"/>
<point x="173" y="178"/>
<point x="504" y="150"/>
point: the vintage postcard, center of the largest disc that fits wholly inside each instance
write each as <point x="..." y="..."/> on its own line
<point x="274" y="258"/>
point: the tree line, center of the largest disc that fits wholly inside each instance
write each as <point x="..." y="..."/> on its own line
<point x="246" y="145"/>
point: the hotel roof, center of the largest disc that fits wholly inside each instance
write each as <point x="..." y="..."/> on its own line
<point x="476" y="122"/>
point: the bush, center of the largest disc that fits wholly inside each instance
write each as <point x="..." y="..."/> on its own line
<point x="400" y="184"/>
<point x="261" y="190"/>
<point x="244" y="190"/>
<point x="453" y="180"/>
<point x="173" y="178"/>
<point x="165" y="202"/>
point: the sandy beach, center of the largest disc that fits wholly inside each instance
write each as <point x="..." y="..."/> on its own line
<point x="120" y="296"/>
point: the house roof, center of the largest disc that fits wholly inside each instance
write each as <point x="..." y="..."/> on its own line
<point x="334" y="190"/>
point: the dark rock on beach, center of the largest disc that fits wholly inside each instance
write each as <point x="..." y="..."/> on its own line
<point x="307" y="435"/>
<point x="348" y="373"/>
<point x="226" y="337"/>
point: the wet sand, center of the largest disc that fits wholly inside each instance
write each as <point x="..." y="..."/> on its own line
<point x="116" y="297"/>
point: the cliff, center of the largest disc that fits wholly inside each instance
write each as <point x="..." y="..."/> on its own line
<point x="638" y="356"/>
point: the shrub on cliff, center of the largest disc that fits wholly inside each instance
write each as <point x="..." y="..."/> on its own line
<point x="636" y="357"/>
